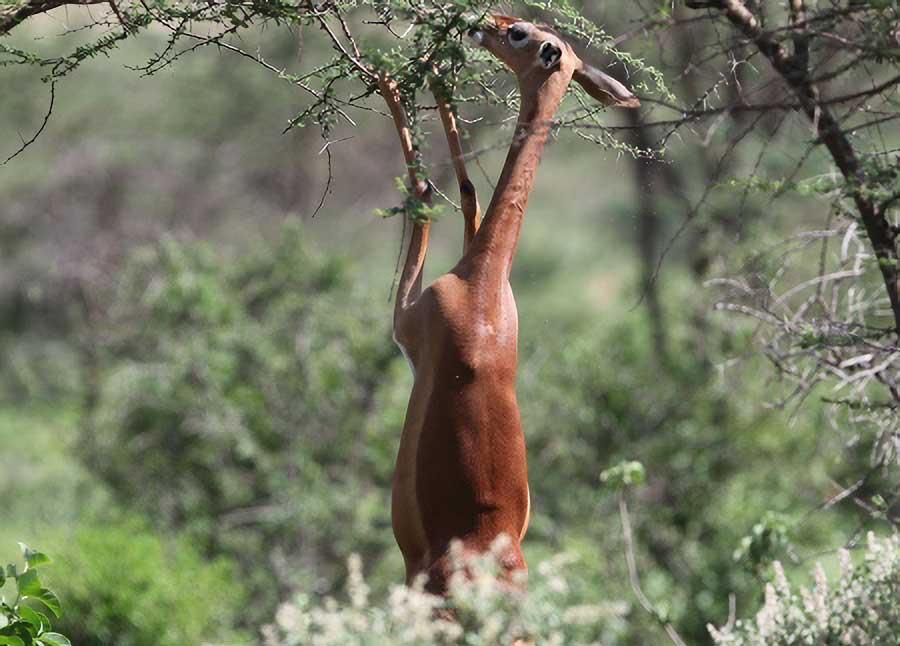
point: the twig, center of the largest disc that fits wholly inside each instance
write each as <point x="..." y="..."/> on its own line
<point x="829" y="133"/>
<point x="366" y="72"/>
<point x="633" y="574"/>
<point x="327" y="150"/>
<point x="26" y="144"/>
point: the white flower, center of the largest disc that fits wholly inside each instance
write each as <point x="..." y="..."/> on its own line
<point x="486" y="610"/>
<point x="864" y="608"/>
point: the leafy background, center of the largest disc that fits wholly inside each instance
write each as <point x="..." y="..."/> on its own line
<point x="200" y="401"/>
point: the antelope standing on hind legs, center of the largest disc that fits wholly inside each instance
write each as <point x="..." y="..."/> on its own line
<point x="461" y="471"/>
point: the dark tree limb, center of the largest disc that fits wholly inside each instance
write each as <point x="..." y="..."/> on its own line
<point x="648" y="174"/>
<point x="13" y="15"/>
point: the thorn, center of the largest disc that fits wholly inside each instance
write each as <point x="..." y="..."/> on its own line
<point x="335" y="141"/>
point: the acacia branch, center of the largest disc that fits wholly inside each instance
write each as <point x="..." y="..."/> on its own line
<point x="354" y="60"/>
<point x="794" y="71"/>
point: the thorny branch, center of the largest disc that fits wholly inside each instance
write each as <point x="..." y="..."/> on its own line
<point x="27" y="142"/>
<point x="793" y="69"/>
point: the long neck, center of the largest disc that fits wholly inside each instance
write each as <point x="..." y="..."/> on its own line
<point x="495" y="244"/>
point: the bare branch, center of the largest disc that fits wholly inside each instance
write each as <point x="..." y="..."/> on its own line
<point x="33" y="138"/>
<point x="828" y="129"/>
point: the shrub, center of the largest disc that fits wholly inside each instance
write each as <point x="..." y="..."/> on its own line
<point x="479" y="610"/>
<point x="240" y="401"/>
<point x="861" y="607"/>
<point x="123" y="585"/>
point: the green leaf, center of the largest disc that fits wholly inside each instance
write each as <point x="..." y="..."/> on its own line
<point x="624" y="474"/>
<point x="18" y="630"/>
<point x="11" y="571"/>
<point x="12" y="641"/>
<point x="55" y="639"/>
<point x="49" y="599"/>
<point x="29" y="616"/>
<point x="29" y="583"/>
<point x="33" y="558"/>
<point x="2" y="577"/>
<point x="45" y="620"/>
<point x="37" y="619"/>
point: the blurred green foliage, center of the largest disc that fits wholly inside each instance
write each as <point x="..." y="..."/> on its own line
<point x="240" y="403"/>
<point x="242" y="398"/>
<point x="624" y="474"/>
<point x="123" y="584"/>
<point x="253" y="403"/>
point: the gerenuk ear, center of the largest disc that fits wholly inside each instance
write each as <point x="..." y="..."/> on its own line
<point x="604" y="88"/>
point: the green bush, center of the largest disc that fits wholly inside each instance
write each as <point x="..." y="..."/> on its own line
<point x="708" y="459"/>
<point x="122" y="584"/>
<point x="248" y="402"/>
<point x="255" y="403"/>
